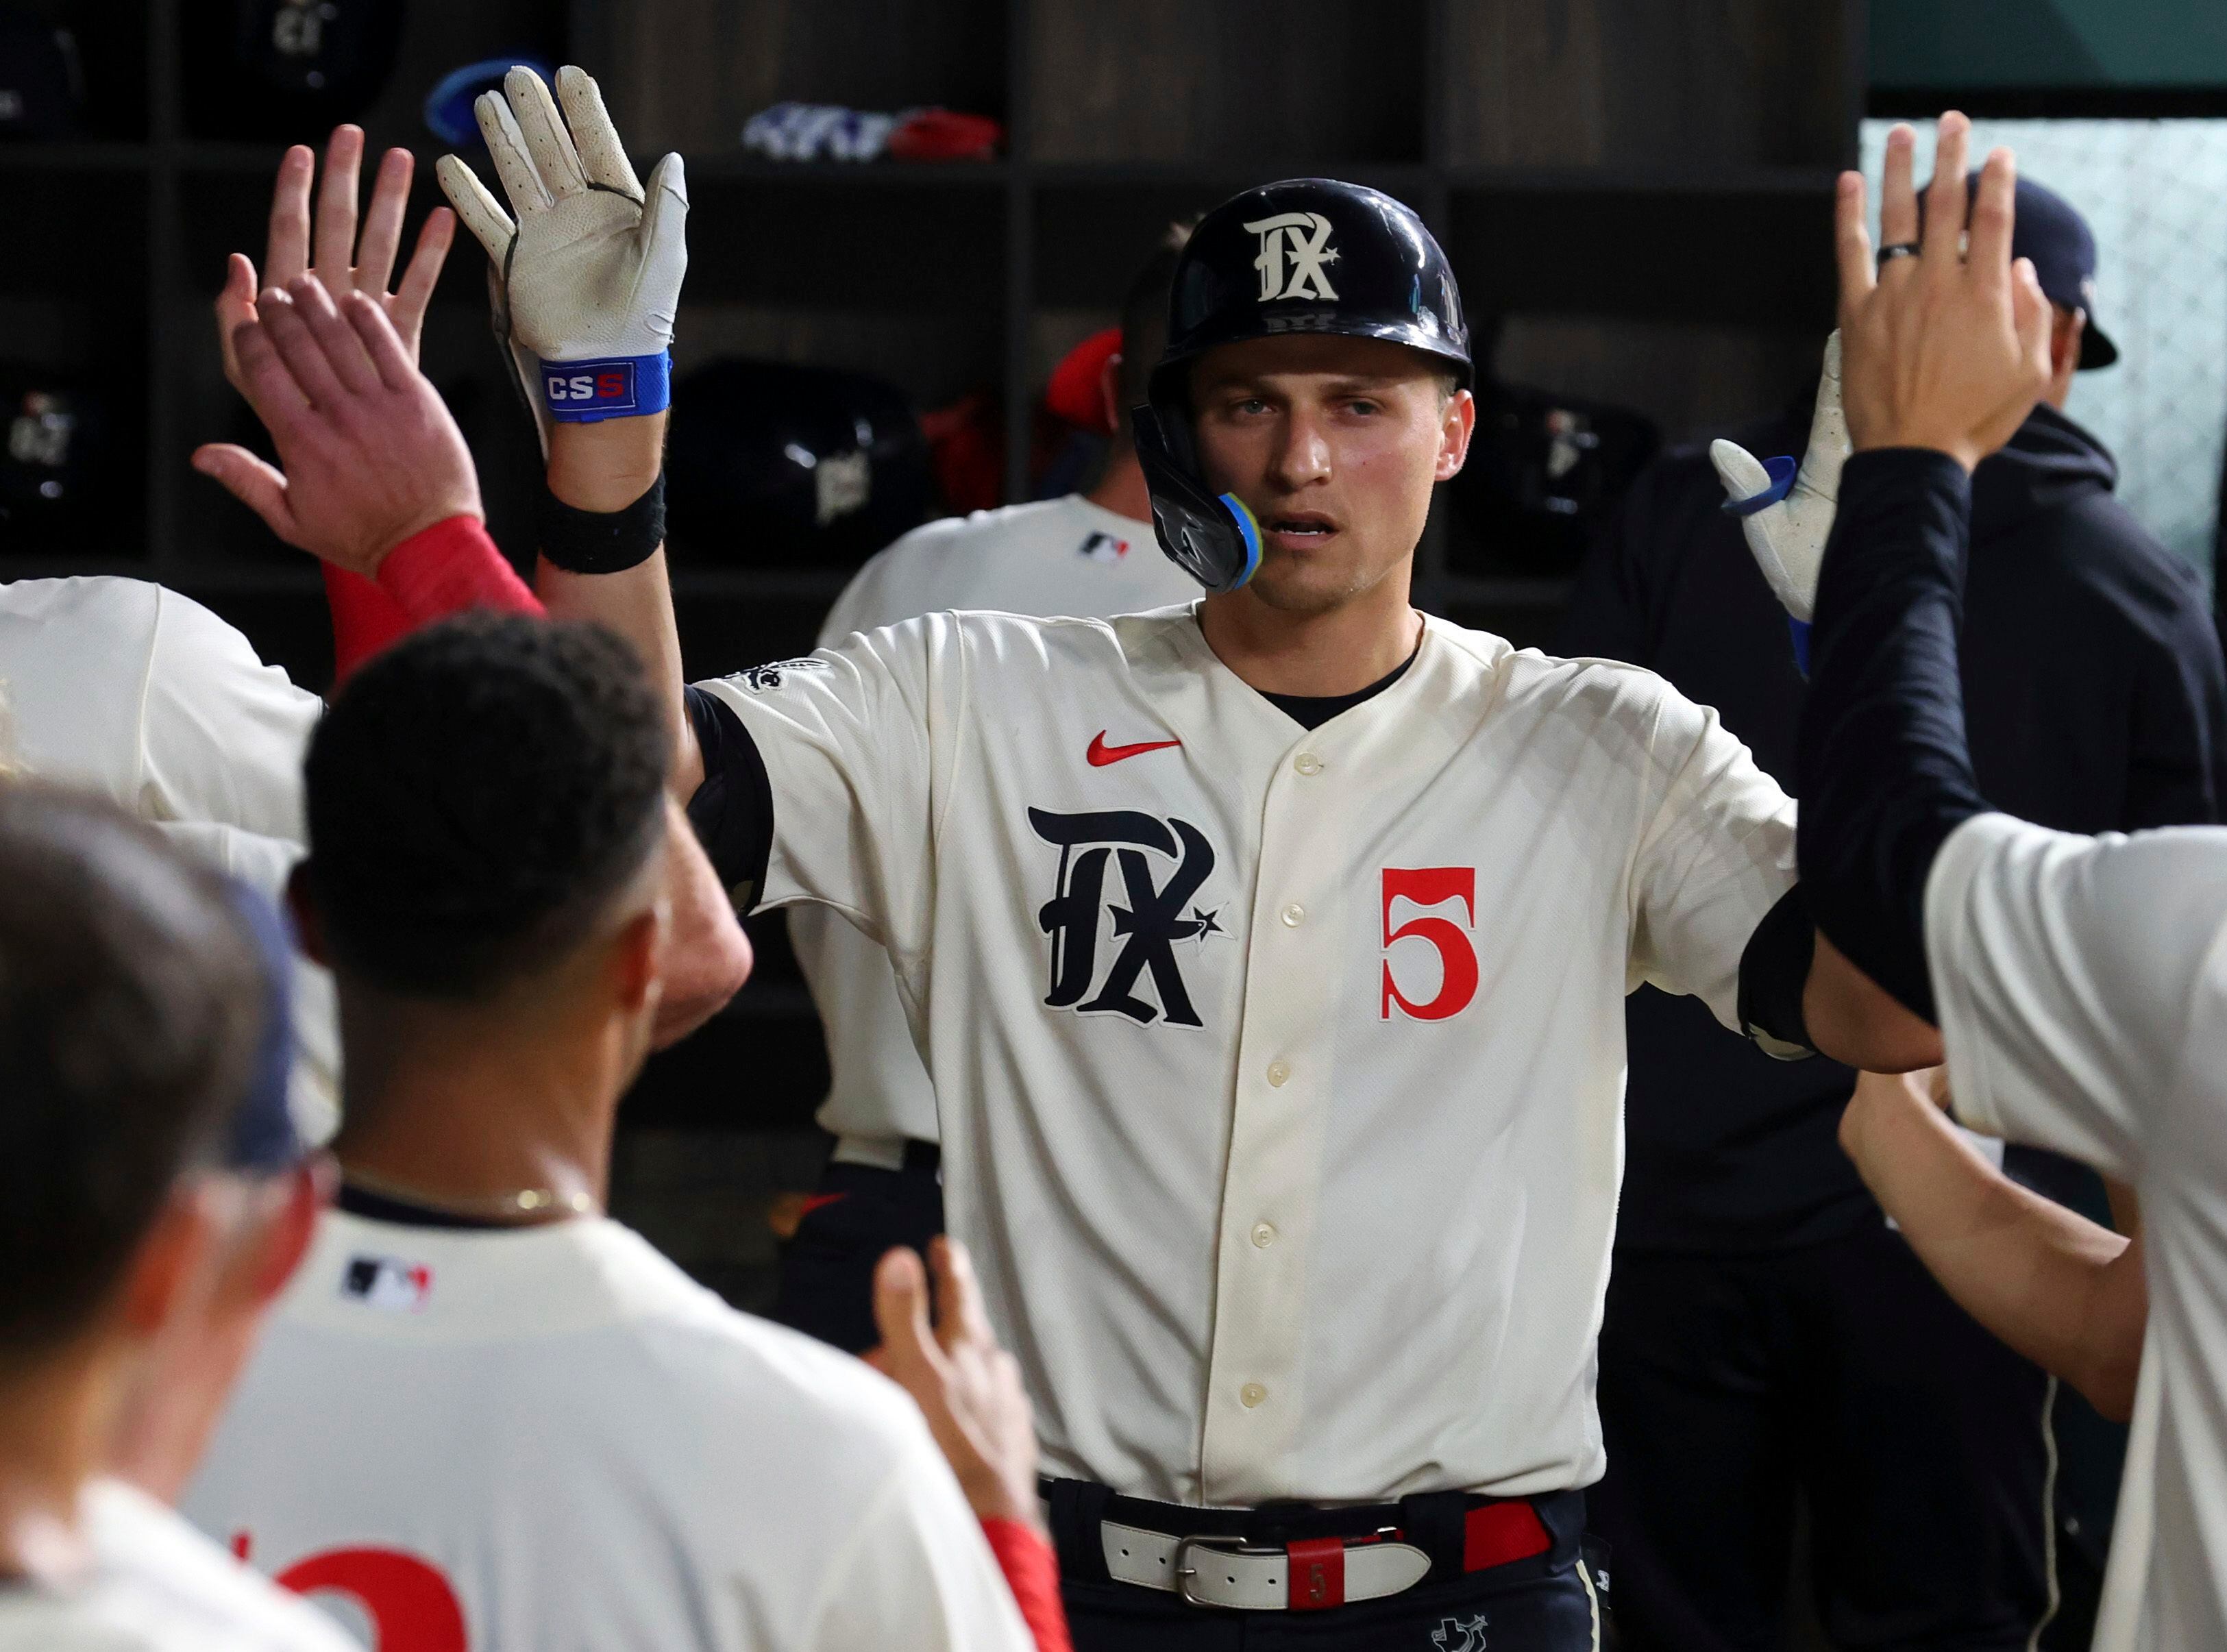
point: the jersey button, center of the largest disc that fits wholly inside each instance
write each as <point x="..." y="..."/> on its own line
<point x="1264" y="1234"/>
<point x="1250" y="1395"/>
<point x="1307" y="763"/>
<point x="1294" y="915"/>
<point x="1278" y="1072"/>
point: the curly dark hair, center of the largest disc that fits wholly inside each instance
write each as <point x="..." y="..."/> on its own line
<point x="131" y="1001"/>
<point x="476" y="794"/>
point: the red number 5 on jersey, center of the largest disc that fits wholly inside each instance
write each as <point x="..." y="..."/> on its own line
<point x="410" y="1604"/>
<point x="1433" y="886"/>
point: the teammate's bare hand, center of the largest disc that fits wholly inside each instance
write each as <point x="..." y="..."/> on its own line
<point x="968" y="1387"/>
<point x="369" y="453"/>
<point x="342" y="262"/>
<point x="1948" y="348"/>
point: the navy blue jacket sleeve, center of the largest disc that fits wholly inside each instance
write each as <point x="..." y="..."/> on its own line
<point x="1886" y="775"/>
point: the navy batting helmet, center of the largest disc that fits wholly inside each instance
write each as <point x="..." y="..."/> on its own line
<point x="1308" y="255"/>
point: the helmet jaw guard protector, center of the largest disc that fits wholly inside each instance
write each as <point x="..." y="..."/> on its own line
<point x="1213" y="538"/>
<point x="1309" y="255"/>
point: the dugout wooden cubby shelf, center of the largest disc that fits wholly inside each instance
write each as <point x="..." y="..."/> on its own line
<point x="1639" y="192"/>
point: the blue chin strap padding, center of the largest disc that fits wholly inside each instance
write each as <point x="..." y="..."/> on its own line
<point x="1248" y="530"/>
<point x="1782" y="471"/>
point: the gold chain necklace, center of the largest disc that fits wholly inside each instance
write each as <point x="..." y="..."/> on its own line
<point x="526" y="1202"/>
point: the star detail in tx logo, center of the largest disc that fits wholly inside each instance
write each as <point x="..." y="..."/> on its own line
<point x="1460" y="1634"/>
<point x="1148" y="916"/>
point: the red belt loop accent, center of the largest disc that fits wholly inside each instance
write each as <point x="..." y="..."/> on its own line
<point x="1501" y="1532"/>
<point x="1318" y="1576"/>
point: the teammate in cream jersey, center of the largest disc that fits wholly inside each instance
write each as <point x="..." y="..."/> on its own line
<point x="785" y="1496"/>
<point x="136" y="692"/>
<point x="483" y="1414"/>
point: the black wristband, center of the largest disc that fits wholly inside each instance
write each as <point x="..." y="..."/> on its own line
<point x="601" y="542"/>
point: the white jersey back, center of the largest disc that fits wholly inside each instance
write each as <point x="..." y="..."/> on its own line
<point x="1061" y="555"/>
<point x="132" y="691"/>
<point x="158" y="1585"/>
<point x="1279" y="1072"/>
<point x="145" y="697"/>
<point x="2081" y="985"/>
<point x="551" y="1438"/>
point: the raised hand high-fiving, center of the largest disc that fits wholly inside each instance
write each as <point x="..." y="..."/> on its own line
<point x="330" y="247"/>
<point x="586" y="266"/>
<point x="1944" y="341"/>
<point x="367" y="453"/>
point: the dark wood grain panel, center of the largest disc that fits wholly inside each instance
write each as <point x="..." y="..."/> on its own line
<point x="1649" y="82"/>
<point x="1287" y="83"/>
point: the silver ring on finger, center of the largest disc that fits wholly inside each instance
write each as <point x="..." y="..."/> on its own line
<point x="1897" y="250"/>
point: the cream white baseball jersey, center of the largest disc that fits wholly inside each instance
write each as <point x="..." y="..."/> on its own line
<point x="1279" y="1072"/>
<point x="551" y="1437"/>
<point x="147" y="698"/>
<point x="1059" y="556"/>
<point x="2082" y="986"/>
<point x="158" y="1585"/>
<point x="143" y="696"/>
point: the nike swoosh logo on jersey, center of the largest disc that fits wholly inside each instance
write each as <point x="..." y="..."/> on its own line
<point x="1100" y="754"/>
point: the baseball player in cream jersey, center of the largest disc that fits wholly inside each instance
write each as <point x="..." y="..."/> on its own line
<point x="484" y="1415"/>
<point x="1090" y="554"/>
<point x="144" y="697"/>
<point x="1267" y="954"/>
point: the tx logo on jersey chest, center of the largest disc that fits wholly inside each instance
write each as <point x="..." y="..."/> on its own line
<point x="1144" y="873"/>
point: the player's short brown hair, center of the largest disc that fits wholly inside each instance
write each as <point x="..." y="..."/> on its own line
<point x="131" y="999"/>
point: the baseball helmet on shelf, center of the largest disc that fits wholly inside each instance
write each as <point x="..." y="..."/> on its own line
<point x="54" y="482"/>
<point x="1308" y="255"/>
<point x="285" y="69"/>
<point x="771" y="462"/>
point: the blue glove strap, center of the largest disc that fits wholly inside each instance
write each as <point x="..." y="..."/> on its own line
<point x="1799" y="630"/>
<point x="617" y="387"/>
<point x="1781" y="472"/>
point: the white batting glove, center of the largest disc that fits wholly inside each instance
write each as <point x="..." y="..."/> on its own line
<point x="586" y="281"/>
<point x="1787" y="517"/>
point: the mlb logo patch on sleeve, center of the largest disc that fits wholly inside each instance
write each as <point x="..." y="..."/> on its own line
<point x="382" y="1282"/>
<point x="1104" y="547"/>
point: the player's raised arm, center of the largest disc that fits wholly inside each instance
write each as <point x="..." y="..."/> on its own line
<point x="1943" y="355"/>
<point x="375" y="478"/>
<point x="344" y="255"/>
<point x="586" y="263"/>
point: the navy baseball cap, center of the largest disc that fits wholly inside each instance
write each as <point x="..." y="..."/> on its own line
<point x="2050" y="231"/>
<point x="259" y="1139"/>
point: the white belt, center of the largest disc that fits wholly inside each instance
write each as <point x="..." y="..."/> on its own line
<point x="1224" y="1572"/>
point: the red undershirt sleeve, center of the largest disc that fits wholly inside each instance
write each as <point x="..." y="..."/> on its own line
<point x="1032" y="1573"/>
<point x="448" y="567"/>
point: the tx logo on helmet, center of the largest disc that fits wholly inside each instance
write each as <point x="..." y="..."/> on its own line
<point x="1302" y="241"/>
